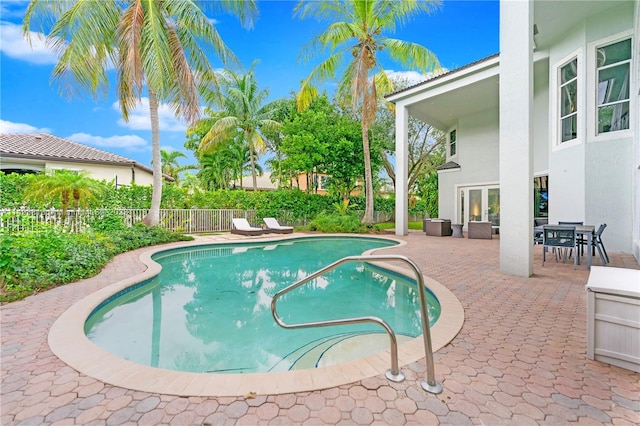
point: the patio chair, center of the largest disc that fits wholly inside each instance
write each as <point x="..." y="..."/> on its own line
<point x="561" y="239"/>
<point x="537" y="236"/>
<point x="596" y="243"/>
<point x="242" y="227"/>
<point x="274" y="226"/>
<point x="581" y="240"/>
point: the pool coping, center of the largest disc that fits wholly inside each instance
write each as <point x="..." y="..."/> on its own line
<point x="67" y="340"/>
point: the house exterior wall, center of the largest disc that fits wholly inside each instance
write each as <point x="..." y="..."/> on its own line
<point x="591" y="179"/>
<point x="106" y="172"/>
<point x="478" y="146"/>
<point x="477" y="154"/>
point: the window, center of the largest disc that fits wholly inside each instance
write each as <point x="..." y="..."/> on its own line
<point x="541" y="196"/>
<point x="452" y="143"/>
<point x="613" y="71"/>
<point x="569" y="101"/>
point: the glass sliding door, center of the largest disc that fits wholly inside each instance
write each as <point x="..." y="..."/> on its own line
<point x="479" y="203"/>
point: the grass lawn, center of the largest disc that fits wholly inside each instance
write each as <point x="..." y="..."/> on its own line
<point x="389" y="225"/>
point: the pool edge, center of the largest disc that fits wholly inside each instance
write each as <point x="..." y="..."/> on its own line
<point x="68" y="342"/>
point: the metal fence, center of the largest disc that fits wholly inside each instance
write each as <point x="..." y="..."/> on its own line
<point x="178" y="220"/>
<point x="187" y="221"/>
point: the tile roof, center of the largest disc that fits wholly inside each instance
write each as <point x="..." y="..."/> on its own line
<point x="495" y="55"/>
<point x="450" y="165"/>
<point x="43" y="146"/>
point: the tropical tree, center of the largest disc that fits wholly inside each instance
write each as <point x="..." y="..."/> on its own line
<point x="425" y="143"/>
<point x="240" y="102"/>
<point x="354" y="38"/>
<point x="153" y="46"/>
<point x="68" y="187"/>
<point x="170" y="165"/>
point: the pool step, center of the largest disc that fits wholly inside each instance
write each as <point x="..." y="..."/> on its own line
<point x="289" y="361"/>
<point x="336" y="349"/>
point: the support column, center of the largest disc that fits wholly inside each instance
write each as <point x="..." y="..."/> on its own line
<point x="402" y="170"/>
<point x="516" y="137"/>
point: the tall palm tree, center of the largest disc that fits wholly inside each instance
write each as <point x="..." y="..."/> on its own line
<point x="150" y="43"/>
<point x="355" y="37"/>
<point x="69" y="187"/>
<point x="240" y="112"/>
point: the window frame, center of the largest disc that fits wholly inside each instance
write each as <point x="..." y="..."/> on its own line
<point x="592" y="92"/>
<point x="453" y="132"/>
<point x="556" y="99"/>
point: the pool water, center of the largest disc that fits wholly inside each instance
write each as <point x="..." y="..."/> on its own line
<point x="209" y="308"/>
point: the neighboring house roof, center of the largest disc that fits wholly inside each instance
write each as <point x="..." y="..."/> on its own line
<point x="449" y="165"/>
<point x="445" y="74"/>
<point x="41" y="146"/>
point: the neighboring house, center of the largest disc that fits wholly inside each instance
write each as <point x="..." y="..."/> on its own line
<point x="33" y="153"/>
<point x="263" y="183"/>
<point x="319" y="182"/>
<point x="549" y="128"/>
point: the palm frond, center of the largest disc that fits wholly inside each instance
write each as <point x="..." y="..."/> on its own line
<point x="411" y="55"/>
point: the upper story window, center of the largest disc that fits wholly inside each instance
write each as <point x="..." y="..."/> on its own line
<point x="613" y="71"/>
<point x="452" y="143"/>
<point x="569" y="101"/>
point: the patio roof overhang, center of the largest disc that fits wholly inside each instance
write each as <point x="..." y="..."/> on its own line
<point x="441" y="100"/>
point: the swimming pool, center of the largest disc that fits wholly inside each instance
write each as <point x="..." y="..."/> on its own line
<point x="208" y="310"/>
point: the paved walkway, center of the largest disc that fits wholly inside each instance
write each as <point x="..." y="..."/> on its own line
<point x="519" y="359"/>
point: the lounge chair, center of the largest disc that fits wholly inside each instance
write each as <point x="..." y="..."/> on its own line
<point x="274" y="226"/>
<point x="242" y="227"/>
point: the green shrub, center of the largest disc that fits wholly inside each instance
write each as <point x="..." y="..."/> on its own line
<point x="34" y="261"/>
<point x="333" y="222"/>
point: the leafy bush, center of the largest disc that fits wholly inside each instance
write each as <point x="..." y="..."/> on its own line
<point x="34" y="261"/>
<point x="337" y="223"/>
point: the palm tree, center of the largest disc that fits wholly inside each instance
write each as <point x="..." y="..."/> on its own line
<point x="150" y="43"/>
<point x="170" y="166"/>
<point x="240" y="113"/>
<point x="69" y="187"/>
<point x="355" y="37"/>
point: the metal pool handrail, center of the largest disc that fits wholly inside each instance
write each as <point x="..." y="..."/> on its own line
<point x="394" y="374"/>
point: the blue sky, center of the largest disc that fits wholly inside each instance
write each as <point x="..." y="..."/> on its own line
<point x="458" y="32"/>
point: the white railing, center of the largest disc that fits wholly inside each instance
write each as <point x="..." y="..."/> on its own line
<point x="178" y="220"/>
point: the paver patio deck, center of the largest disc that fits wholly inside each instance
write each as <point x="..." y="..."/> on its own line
<point x="519" y="359"/>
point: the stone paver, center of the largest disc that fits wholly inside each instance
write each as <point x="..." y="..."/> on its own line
<point x="520" y="359"/>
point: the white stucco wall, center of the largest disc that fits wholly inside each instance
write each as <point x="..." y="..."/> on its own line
<point x="541" y="118"/>
<point x="106" y="172"/>
<point x="591" y="180"/>
<point x="477" y="147"/>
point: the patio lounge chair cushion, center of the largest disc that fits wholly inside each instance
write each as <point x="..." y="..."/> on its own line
<point x="274" y="226"/>
<point x="242" y="227"/>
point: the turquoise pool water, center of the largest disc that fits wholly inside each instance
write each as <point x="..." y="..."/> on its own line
<point x="209" y="308"/>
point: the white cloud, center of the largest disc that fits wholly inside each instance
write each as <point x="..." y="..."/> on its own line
<point x="413" y="77"/>
<point x="16" y="46"/>
<point x="128" y="142"/>
<point x="10" y="127"/>
<point x="139" y="118"/>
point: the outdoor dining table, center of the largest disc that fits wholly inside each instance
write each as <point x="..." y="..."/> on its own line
<point x="585" y="230"/>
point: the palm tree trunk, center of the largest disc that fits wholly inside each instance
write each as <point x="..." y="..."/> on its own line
<point x="368" y="179"/>
<point x="153" y="217"/>
<point x="253" y="168"/>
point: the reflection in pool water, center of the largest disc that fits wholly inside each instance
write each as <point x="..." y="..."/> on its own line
<point x="209" y="309"/>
